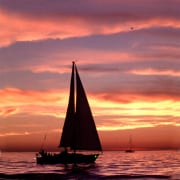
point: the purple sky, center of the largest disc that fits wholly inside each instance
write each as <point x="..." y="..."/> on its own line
<point x="127" y="53"/>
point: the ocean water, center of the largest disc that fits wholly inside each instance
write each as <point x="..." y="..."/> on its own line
<point x="110" y="165"/>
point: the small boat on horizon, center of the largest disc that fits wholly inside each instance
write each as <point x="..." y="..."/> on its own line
<point x="130" y="149"/>
<point x="79" y="131"/>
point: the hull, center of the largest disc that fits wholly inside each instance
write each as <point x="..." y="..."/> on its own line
<point x="129" y="151"/>
<point x="65" y="158"/>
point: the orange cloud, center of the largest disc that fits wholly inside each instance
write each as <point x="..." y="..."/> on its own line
<point x="33" y="102"/>
<point x="8" y="111"/>
<point x="26" y="133"/>
<point x="128" y="113"/>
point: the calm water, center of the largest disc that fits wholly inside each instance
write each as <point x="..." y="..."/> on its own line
<point x="110" y="165"/>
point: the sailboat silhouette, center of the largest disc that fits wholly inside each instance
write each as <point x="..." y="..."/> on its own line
<point x="130" y="149"/>
<point x="79" y="131"/>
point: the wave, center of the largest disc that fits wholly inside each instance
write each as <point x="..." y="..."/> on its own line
<point x="54" y="176"/>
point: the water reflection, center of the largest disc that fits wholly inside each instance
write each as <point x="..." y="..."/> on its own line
<point x="110" y="163"/>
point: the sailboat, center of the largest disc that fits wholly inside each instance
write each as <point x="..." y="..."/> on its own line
<point x="79" y="130"/>
<point x="130" y="149"/>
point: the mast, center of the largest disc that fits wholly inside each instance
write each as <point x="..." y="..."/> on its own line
<point x="130" y="142"/>
<point x="67" y="134"/>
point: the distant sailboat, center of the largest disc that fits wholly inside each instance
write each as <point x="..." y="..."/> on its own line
<point x="130" y="149"/>
<point x="79" y="131"/>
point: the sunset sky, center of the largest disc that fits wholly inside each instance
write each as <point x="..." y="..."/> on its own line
<point x="128" y="56"/>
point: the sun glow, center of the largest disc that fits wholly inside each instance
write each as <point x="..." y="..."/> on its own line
<point x="53" y="104"/>
<point x="143" y="108"/>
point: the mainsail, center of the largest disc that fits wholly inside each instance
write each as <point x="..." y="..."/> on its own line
<point x="79" y="131"/>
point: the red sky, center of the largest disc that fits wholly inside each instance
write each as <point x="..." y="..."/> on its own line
<point x="127" y="54"/>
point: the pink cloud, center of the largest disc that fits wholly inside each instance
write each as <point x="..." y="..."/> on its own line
<point x="26" y="23"/>
<point x="156" y="72"/>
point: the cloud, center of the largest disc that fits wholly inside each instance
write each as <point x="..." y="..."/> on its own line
<point x="8" y="111"/>
<point x="26" y="133"/>
<point x="17" y="101"/>
<point x="13" y="134"/>
<point x="124" y="110"/>
<point x="30" y="21"/>
<point x="139" y="50"/>
<point x="156" y="72"/>
<point x="127" y="53"/>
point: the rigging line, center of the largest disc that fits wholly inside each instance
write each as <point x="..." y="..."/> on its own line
<point x="44" y="138"/>
<point x="43" y="142"/>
